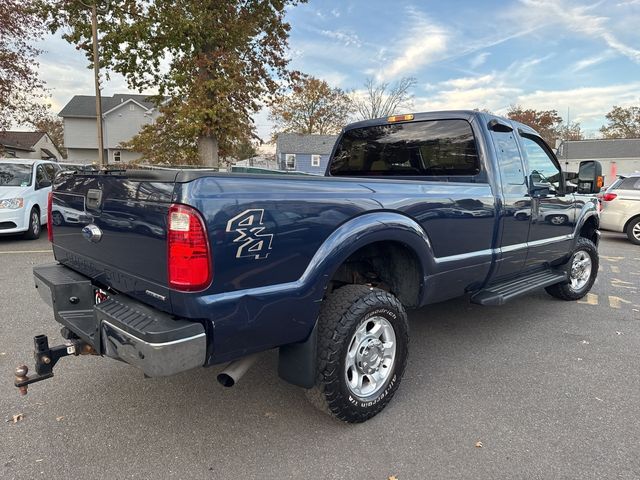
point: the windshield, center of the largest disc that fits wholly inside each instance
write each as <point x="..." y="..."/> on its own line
<point x="15" y="175"/>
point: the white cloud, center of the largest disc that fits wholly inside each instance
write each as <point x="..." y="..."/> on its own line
<point x="479" y="59"/>
<point x="589" y="62"/>
<point x="468" y="82"/>
<point x="422" y="43"/>
<point x="345" y="38"/>
<point x="579" y="19"/>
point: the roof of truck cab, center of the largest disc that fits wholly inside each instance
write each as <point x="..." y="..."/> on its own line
<point x="442" y="115"/>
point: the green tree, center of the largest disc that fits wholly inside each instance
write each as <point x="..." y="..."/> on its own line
<point x="622" y="123"/>
<point x="312" y="107"/>
<point x="21" y="90"/>
<point x="546" y="122"/>
<point x="216" y="60"/>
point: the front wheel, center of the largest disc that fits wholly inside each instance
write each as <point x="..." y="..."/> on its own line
<point x="633" y="231"/>
<point x="362" y="352"/>
<point x="582" y="270"/>
<point x="33" y="232"/>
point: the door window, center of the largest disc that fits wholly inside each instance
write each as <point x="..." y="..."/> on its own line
<point x="510" y="162"/>
<point x="41" y="176"/>
<point x="542" y="168"/>
<point x="51" y="170"/>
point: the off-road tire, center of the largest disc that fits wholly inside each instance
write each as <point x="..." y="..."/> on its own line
<point x="35" y="227"/>
<point x="565" y="291"/>
<point x="635" y="223"/>
<point x="342" y="312"/>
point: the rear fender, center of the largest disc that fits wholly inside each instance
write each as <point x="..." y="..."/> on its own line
<point x="297" y="362"/>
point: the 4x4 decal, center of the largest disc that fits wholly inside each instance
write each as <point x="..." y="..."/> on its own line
<point x="253" y="242"/>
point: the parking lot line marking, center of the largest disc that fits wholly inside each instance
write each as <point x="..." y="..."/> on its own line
<point x="616" y="282"/>
<point x="615" y="269"/>
<point x="26" y="251"/>
<point x="615" y="302"/>
<point x="612" y="259"/>
<point x="591" y="299"/>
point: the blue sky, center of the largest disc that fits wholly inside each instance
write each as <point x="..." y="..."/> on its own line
<point x="544" y="54"/>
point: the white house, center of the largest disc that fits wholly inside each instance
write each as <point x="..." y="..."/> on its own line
<point x="35" y="145"/>
<point x="123" y="116"/>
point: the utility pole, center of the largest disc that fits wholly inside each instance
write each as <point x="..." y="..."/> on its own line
<point x="96" y="78"/>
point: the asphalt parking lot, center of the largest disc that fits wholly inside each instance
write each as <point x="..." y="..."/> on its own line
<point x="551" y="390"/>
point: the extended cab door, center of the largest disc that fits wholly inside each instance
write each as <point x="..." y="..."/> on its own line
<point x="553" y="214"/>
<point x="516" y="204"/>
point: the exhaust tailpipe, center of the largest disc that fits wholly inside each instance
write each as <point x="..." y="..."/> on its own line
<point x="235" y="370"/>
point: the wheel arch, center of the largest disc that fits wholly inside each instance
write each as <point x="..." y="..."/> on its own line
<point x="628" y="222"/>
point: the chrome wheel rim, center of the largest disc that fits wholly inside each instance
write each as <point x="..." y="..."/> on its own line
<point x="35" y="222"/>
<point x="636" y="231"/>
<point x="557" y="220"/>
<point x="57" y="218"/>
<point x="370" y="357"/>
<point x="580" y="270"/>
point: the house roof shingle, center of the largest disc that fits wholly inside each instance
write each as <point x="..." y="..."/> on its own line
<point x="305" y="144"/>
<point x="85" y="105"/>
<point x="20" y="140"/>
<point x="600" y="149"/>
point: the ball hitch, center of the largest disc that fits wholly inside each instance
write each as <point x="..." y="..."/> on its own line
<point x="46" y="358"/>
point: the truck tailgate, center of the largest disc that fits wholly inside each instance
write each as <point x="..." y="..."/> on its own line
<point x="112" y="228"/>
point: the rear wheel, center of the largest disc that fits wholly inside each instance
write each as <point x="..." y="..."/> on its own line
<point x="582" y="270"/>
<point x="362" y="352"/>
<point x="34" y="225"/>
<point x="633" y="231"/>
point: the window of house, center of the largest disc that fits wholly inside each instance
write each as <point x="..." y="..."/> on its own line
<point x="132" y="107"/>
<point x="290" y="161"/>
<point x="116" y="156"/>
<point x="315" y="160"/>
<point x="434" y="148"/>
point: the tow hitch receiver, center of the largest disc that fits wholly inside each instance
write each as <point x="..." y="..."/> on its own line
<point x="46" y="357"/>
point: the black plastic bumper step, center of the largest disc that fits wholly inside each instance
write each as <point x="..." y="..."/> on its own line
<point x="501" y="293"/>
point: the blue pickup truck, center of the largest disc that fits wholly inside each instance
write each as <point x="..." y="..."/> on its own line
<point x="170" y="270"/>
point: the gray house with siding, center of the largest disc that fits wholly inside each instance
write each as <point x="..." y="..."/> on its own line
<point x="304" y="153"/>
<point x="123" y="117"/>
<point x="617" y="156"/>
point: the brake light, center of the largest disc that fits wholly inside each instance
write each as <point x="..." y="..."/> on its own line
<point x="607" y="197"/>
<point x="50" y="217"/>
<point x="189" y="262"/>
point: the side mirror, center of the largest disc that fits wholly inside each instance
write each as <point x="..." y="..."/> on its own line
<point x="540" y="191"/>
<point x="590" y="179"/>
<point x="43" y="184"/>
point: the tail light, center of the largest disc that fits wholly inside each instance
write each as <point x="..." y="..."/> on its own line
<point x="189" y="261"/>
<point x="50" y="217"/>
<point x="607" y="197"/>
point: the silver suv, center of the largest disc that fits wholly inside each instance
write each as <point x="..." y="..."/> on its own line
<point x="621" y="207"/>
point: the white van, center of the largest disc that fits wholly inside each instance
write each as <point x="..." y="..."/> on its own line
<point x="24" y="190"/>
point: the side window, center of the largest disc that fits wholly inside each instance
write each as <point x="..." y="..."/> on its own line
<point x="41" y="175"/>
<point x="510" y="162"/>
<point x="542" y="168"/>
<point x="51" y="170"/>
<point x="315" y="160"/>
<point x="630" y="183"/>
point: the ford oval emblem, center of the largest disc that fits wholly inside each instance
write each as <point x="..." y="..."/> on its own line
<point x="92" y="233"/>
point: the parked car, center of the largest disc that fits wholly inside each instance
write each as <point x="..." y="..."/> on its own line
<point x="621" y="207"/>
<point x="320" y="268"/>
<point x="24" y="188"/>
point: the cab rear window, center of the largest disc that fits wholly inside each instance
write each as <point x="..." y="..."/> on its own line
<point x="436" y="148"/>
